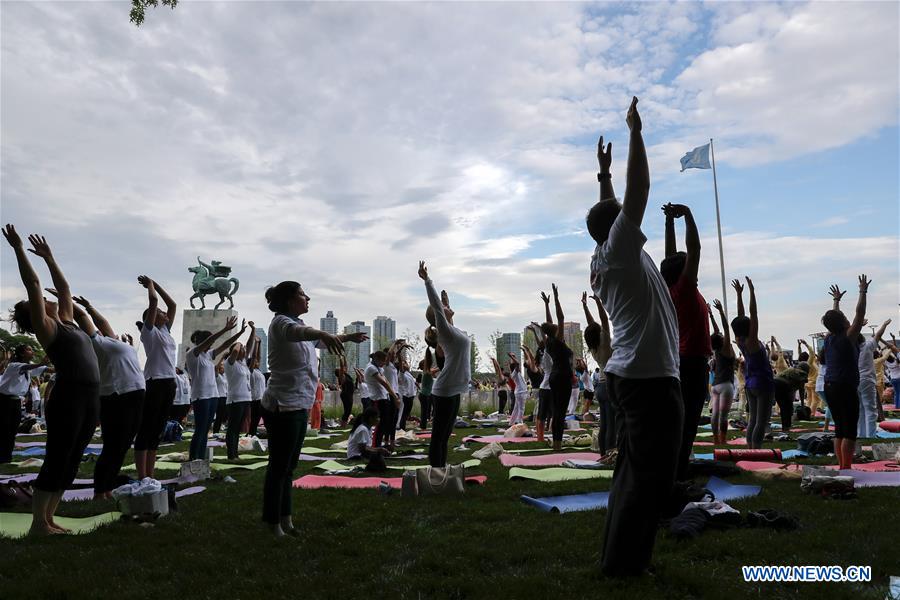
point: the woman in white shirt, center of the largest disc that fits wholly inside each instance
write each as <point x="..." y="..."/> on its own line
<point x="257" y="390"/>
<point x="359" y="444"/>
<point x="200" y="362"/>
<point x="455" y="375"/>
<point x="14" y="385"/>
<point x="365" y="396"/>
<point x="159" y="373"/>
<point x="121" y="395"/>
<point x="293" y="380"/>
<point x="599" y="344"/>
<point x="238" y="400"/>
<point x="182" y="404"/>
<point x="384" y="397"/>
<point x="222" y="398"/>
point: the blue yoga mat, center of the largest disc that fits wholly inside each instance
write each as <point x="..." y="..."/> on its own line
<point x="704" y="456"/>
<point x="881" y="433"/>
<point x="574" y="503"/>
<point x="725" y="491"/>
<point x="42" y="451"/>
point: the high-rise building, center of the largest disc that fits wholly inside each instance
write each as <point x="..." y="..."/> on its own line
<point x="384" y="331"/>
<point x="529" y="341"/>
<point x="328" y="362"/>
<point x="357" y="354"/>
<point x="574" y="338"/>
<point x="263" y="349"/>
<point x="506" y="344"/>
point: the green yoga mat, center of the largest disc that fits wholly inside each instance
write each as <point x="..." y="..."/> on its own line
<point x="16" y="525"/>
<point x="214" y="466"/>
<point x="705" y="434"/>
<point x="333" y="465"/>
<point x="558" y="474"/>
<point x="313" y="450"/>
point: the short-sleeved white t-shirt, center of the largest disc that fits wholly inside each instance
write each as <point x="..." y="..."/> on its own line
<point x="160" y="348"/>
<point x="867" y="360"/>
<point x="363" y="389"/>
<point x="360" y="438"/>
<point x="238" y="376"/>
<point x="14" y="382"/>
<point x="640" y="308"/>
<point x="257" y="385"/>
<point x="587" y="381"/>
<point x="378" y="392"/>
<point x="182" y="390"/>
<point x="120" y="372"/>
<point x="203" y="375"/>
<point x="221" y="385"/>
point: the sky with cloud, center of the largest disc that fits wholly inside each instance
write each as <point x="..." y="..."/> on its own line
<point x="339" y="143"/>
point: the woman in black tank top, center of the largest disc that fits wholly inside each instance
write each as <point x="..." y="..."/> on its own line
<point x="72" y="410"/>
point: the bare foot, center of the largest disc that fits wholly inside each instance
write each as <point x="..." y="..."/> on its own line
<point x="276" y="531"/>
<point x="58" y="528"/>
<point x="41" y="530"/>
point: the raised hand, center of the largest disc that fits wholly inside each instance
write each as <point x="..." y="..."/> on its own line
<point x="604" y="158"/>
<point x="864" y="284"/>
<point x="423" y="270"/>
<point x="40" y="247"/>
<point x="9" y="232"/>
<point x="243" y="325"/>
<point x="633" y="118"/>
<point x="357" y="337"/>
<point x="82" y="301"/>
<point x="678" y="210"/>
<point x="146" y="282"/>
<point x="598" y="301"/>
<point x="230" y="323"/>
<point x="252" y="325"/>
<point x="555" y="290"/>
<point x="836" y="293"/>
<point x="736" y="284"/>
<point x="749" y="284"/>
<point x="545" y="298"/>
<point x="332" y="343"/>
<point x="718" y="304"/>
<point x="584" y="298"/>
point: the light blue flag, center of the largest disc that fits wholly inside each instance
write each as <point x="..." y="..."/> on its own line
<point x="698" y="158"/>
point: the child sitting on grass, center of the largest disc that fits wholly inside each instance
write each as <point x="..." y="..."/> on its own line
<point x="360" y="447"/>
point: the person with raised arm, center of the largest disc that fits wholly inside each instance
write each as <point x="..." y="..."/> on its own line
<point x="159" y="373"/>
<point x="122" y="388"/>
<point x="723" y="391"/>
<point x="347" y="387"/>
<point x="517" y="415"/>
<point x="868" y="387"/>
<point x="220" y="411"/>
<point x="425" y="389"/>
<point x="502" y="386"/>
<point x="200" y="363"/>
<point x="759" y="380"/>
<point x="642" y="372"/>
<point x="383" y="396"/>
<point x="812" y="397"/>
<point x="237" y="402"/>
<point x="257" y="389"/>
<point x="599" y="344"/>
<point x="74" y="405"/>
<point x="293" y="379"/>
<point x="454" y="378"/>
<point x="892" y="365"/>
<point x="14" y="383"/>
<point x="680" y="270"/>
<point x="841" y="352"/>
<point x="365" y="396"/>
<point x="561" y="371"/>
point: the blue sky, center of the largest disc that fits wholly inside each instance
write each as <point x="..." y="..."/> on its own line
<point x="338" y="144"/>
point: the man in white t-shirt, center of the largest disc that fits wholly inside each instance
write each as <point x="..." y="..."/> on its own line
<point x="868" y="400"/>
<point x="642" y="373"/>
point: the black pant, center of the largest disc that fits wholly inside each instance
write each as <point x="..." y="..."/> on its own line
<point x="286" y="431"/>
<point x="445" y="412"/>
<point x="407" y="409"/>
<point x="545" y="405"/>
<point x="649" y="438"/>
<point x="120" y="417"/>
<point x="255" y="416"/>
<point x="694" y="384"/>
<point x="843" y="400"/>
<point x="501" y="395"/>
<point x="607" y="433"/>
<point x="221" y="414"/>
<point x="72" y="412"/>
<point x="179" y="412"/>
<point x="237" y="412"/>
<point x="784" y="398"/>
<point x="347" y="401"/>
<point x="157" y="403"/>
<point x="10" y="417"/>
<point x="425" y="402"/>
<point x="387" y="419"/>
<point x="561" y="390"/>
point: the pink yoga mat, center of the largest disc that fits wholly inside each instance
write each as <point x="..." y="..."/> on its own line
<point x="758" y="465"/>
<point x="487" y="439"/>
<point x="515" y="460"/>
<point x="704" y="444"/>
<point x="892" y="426"/>
<point x="312" y="482"/>
<point x="873" y="467"/>
<point x="737" y="442"/>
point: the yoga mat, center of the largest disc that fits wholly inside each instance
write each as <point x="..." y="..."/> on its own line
<point x="29" y="463"/>
<point x="880" y="433"/>
<point x="214" y="466"/>
<point x="573" y="503"/>
<point x="36" y="451"/>
<point x="30" y="444"/>
<point x="702" y="456"/>
<point x="333" y="465"/>
<point x="16" y="525"/>
<point x="314" y="450"/>
<point x="88" y="493"/>
<point x="892" y="425"/>
<point x="741" y="441"/>
<point x="704" y="434"/>
<point x="704" y="444"/>
<point x="868" y="479"/>
<point x="758" y="465"/>
<point x="487" y="439"/>
<point x="872" y="467"/>
<point x="747" y="454"/>
<point x="786" y="454"/>
<point x="312" y="482"/>
<point x="513" y="460"/>
<point x="547" y="449"/>
<point x="554" y="474"/>
<point x="18" y="478"/>
<point x="725" y="491"/>
<point x="18" y="435"/>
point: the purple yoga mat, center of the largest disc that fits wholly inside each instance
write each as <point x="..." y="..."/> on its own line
<point x="30" y="444"/>
<point x="513" y="460"/>
<point x="88" y="493"/>
<point x="873" y="479"/>
<point x="24" y="478"/>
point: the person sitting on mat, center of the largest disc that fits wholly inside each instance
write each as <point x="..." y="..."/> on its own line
<point x="359" y="445"/>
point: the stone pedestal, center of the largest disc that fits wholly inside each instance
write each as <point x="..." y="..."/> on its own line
<point x="207" y="320"/>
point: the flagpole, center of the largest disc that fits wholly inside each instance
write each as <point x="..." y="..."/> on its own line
<point x="719" y="227"/>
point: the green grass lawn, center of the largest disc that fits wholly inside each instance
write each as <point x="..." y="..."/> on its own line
<point x="487" y="544"/>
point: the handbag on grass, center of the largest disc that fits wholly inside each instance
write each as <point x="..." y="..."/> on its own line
<point x="441" y="480"/>
<point x="196" y="470"/>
